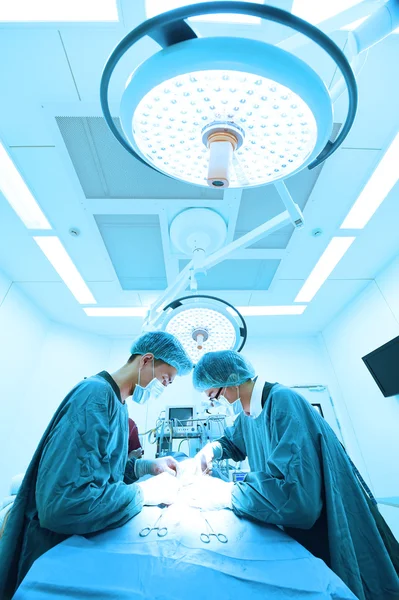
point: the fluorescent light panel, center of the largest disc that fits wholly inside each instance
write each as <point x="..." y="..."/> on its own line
<point x="58" y="10"/>
<point x="264" y="311"/>
<point x="123" y="311"/>
<point x="325" y="266"/>
<point x="18" y="194"/>
<point x="62" y="263"/>
<point x="376" y="189"/>
<point x="156" y="7"/>
<point x="316" y="11"/>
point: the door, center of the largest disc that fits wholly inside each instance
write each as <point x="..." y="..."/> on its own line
<point x="319" y="397"/>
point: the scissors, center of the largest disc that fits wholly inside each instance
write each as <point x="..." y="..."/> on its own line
<point x="206" y="537"/>
<point x="161" y="531"/>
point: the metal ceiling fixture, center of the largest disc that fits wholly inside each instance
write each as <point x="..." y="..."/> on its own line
<point x="223" y="111"/>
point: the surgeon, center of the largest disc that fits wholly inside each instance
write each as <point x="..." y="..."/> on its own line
<point x="301" y="478"/>
<point x="80" y="479"/>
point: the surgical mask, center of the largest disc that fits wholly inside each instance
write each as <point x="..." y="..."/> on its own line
<point x="154" y="389"/>
<point x="235" y="407"/>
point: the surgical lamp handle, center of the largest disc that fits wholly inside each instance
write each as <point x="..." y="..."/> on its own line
<point x="170" y="27"/>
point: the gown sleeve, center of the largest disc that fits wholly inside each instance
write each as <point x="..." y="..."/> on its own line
<point x="130" y="475"/>
<point x="76" y="490"/>
<point x="232" y="443"/>
<point x="288" y="492"/>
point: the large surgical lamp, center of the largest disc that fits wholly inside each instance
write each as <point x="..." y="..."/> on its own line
<point x="226" y="112"/>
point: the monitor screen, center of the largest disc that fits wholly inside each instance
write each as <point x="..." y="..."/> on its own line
<point x="383" y="365"/>
<point x="181" y="413"/>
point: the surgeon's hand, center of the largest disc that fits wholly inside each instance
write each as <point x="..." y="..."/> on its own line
<point x="166" y="464"/>
<point x="162" y="489"/>
<point x="208" y="493"/>
<point x="204" y="459"/>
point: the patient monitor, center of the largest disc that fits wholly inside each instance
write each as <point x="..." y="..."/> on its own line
<point x="181" y="421"/>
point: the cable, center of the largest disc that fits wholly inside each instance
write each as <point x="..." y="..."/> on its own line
<point x="185" y="440"/>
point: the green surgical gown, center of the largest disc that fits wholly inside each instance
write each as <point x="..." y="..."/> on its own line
<point x="79" y="480"/>
<point x="301" y="479"/>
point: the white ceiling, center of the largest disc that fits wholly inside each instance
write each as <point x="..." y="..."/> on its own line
<point x="51" y="122"/>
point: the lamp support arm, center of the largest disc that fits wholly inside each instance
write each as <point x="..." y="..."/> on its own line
<point x="154" y="316"/>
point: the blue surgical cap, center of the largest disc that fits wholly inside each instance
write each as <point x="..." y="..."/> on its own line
<point x="165" y="347"/>
<point x="221" y="369"/>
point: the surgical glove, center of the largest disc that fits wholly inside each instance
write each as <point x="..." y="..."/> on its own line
<point x="166" y="464"/>
<point x="209" y="493"/>
<point x="205" y="456"/>
<point x="162" y="489"/>
<point x="203" y="459"/>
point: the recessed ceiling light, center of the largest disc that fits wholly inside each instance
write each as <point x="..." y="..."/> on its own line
<point x="316" y="11"/>
<point x="18" y="195"/>
<point x="263" y="311"/>
<point x="376" y="189"/>
<point x="58" y="10"/>
<point x="66" y="269"/>
<point x="156" y="7"/>
<point x="324" y="267"/>
<point x="116" y="311"/>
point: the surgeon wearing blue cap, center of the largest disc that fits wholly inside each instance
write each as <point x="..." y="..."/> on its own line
<point x="300" y="478"/>
<point x="80" y="479"/>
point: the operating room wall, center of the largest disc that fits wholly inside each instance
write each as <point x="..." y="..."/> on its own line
<point x="371" y="320"/>
<point x="23" y="329"/>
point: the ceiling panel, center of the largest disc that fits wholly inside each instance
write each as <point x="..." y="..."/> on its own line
<point x="88" y="54"/>
<point x="134" y="245"/>
<point x="37" y="68"/>
<point x="238" y="275"/>
<point x="261" y="204"/>
<point x="106" y="170"/>
<point x="378" y="88"/>
<point x="20" y="256"/>
<point x="58" y="304"/>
